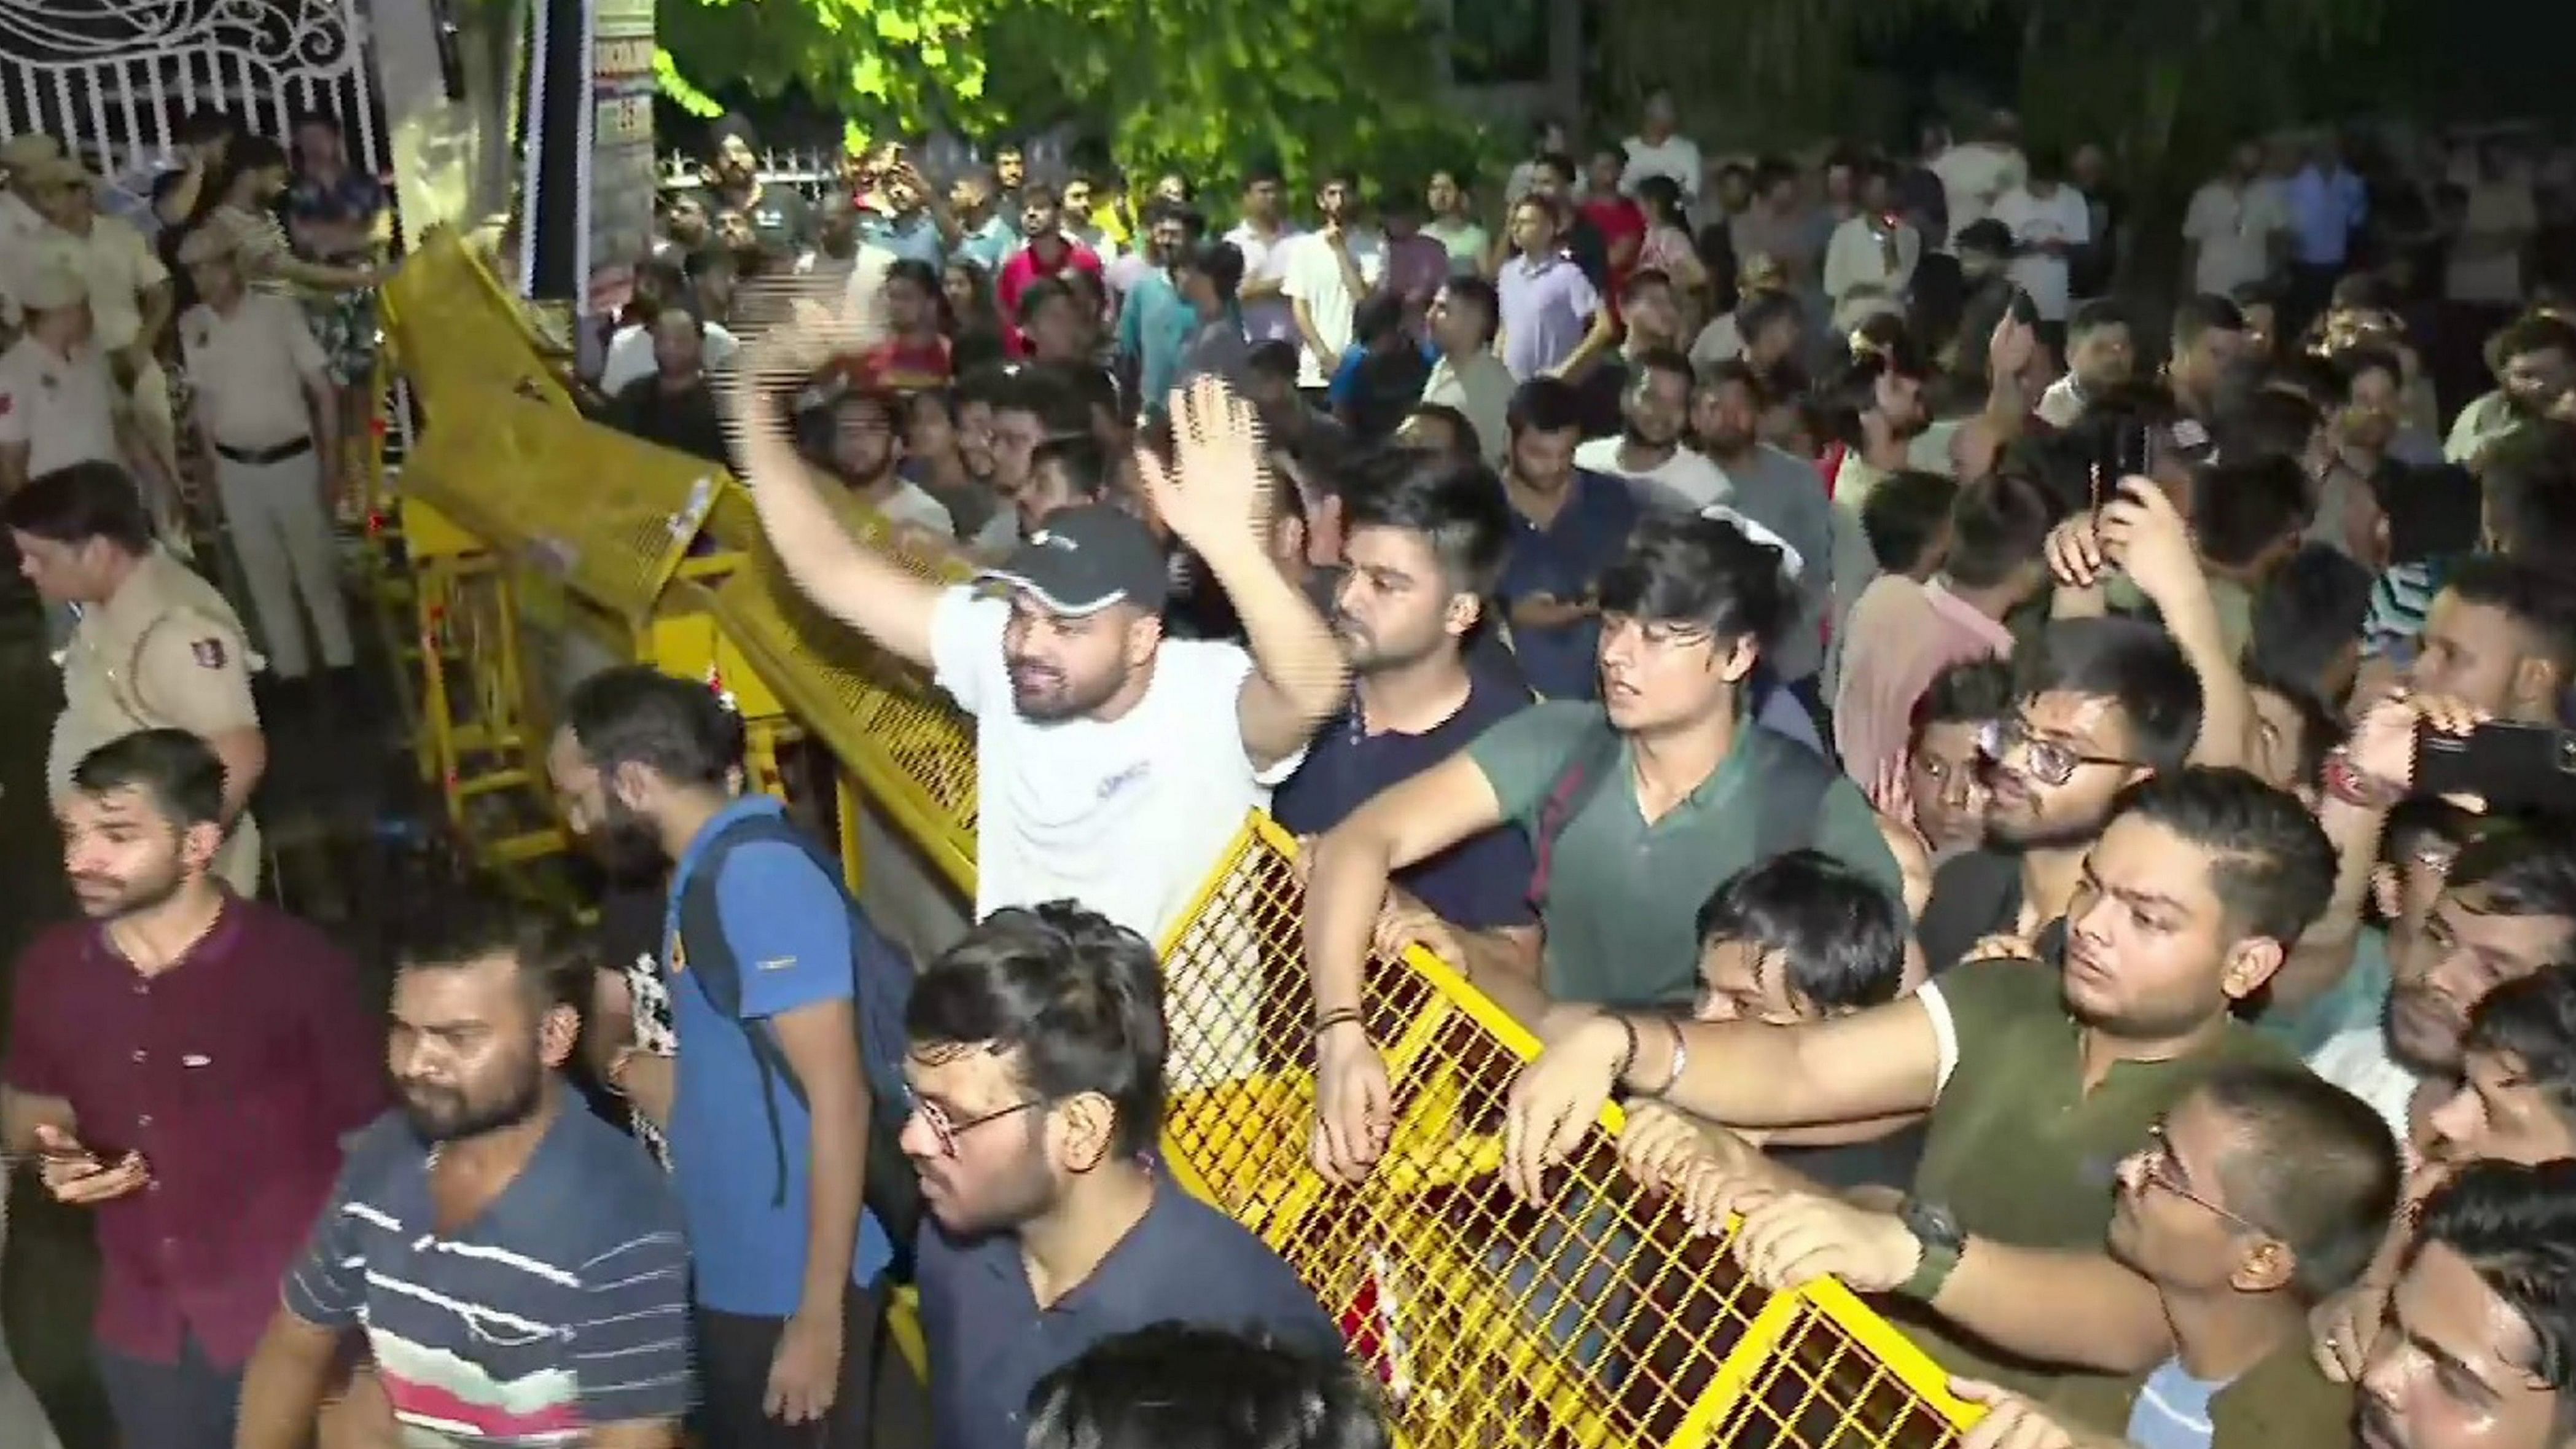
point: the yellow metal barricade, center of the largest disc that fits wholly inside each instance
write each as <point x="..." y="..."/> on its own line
<point x="1590" y="1319"/>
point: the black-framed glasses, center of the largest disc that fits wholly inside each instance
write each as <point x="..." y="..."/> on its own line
<point x="2157" y="1168"/>
<point x="2049" y="762"/>
<point x="947" y="1131"/>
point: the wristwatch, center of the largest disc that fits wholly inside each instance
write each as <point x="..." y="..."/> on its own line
<point x="1938" y="1232"/>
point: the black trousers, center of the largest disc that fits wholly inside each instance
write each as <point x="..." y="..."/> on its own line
<point x="734" y="1353"/>
<point x="190" y="1404"/>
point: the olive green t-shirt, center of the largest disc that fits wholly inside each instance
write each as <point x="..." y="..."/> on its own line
<point x="1623" y="896"/>
<point x="2020" y="1153"/>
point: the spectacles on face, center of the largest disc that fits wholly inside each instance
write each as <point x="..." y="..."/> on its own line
<point x="2157" y="1168"/>
<point x="2049" y="762"/>
<point x="947" y="1131"/>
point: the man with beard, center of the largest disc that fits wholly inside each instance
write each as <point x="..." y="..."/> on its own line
<point x="1635" y="808"/>
<point x="779" y="219"/>
<point x="1036" y="1074"/>
<point x="1649" y="451"/>
<point x="866" y="455"/>
<point x="2535" y="369"/>
<point x="2098" y="705"/>
<point x="516" y="1263"/>
<point x="2507" y="909"/>
<point x="1423" y="546"/>
<point x="207" y="1137"/>
<point x="1048" y="253"/>
<point x="2260" y="1194"/>
<point x="2035" y="1080"/>
<point x="766" y="1101"/>
<point x="1113" y="764"/>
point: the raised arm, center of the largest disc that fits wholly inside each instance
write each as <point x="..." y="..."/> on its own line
<point x="851" y="582"/>
<point x="1215" y="496"/>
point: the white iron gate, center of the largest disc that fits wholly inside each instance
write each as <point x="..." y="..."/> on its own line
<point x="114" y="78"/>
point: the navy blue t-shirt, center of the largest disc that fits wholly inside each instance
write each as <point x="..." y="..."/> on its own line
<point x="1480" y="883"/>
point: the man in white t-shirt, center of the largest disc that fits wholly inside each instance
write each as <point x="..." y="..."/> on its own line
<point x="1113" y="764"/>
<point x="1658" y="149"/>
<point x="1329" y="271"/>
<point x="1974" y="175"/>
<point x="1649" y="451"/>
<point x="2049" y="220"/>
<point x="2237" y="230"/>
<point x="1266" y="237"/>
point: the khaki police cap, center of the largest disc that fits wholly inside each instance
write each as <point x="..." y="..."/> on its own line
<point x="49" y="282"/>
<point x="19" y="152"/>
<point x="210" y="242"/>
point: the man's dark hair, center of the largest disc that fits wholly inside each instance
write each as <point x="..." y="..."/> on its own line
<point x="2354" y="363"/>
<point x="206" y="125"/>
<point x="1971" y="691"/>
<point x="1998" y="524"/>
<point x="1221" y="262"/>
<point x="2515" y="870"/>
<point x="181" y="773"/>
<point x="1479" y="294"/>
<point x="2418" y="825"/>
<point x="2135" y="665"/>
<point x="74" y="504"/>
<point x="1559" y="165"/>
<point x="1273" y="357"/>
<point x="2533" y="1020"/>
<point x="2305" y="614"/>
<point x="1462" y="432"/>
<point x="1038" y="193"/>
<point x="1736" y="372"/>
<point x="1545" y="405"/>
<point x="1261" y="171"/>
<point x="1702" y="572"/>
<point x="1842" y="934"/>
<point x="2268" y="423"/>
<point x="1084" y="461"/>
<point x="1642" y="281"/>
<point x="2539" y="600"/>
<point x="1038" y="294"/>
<point x="1762" y="311"/>
<point x="2530" y="482"/>
<point x="1903" y="515"/>
<point x="2536" y="332"/>
<point x="2091" y="317"/>
<point x="2241" y="509"/>
<point x="633" y="714"/>
<point x="482" y="922"/>
<point x="1177" y="1386"/>
<point x="2206" y="312"/>
<point x="2313" y="1165"/>
<point x="2271" y="865"/>
<point x="2516" y="1226"/>
<point x="916" y="271"/>
<point x="1078" y="997"/>
<point x="1457" y="507"/>
<point x="1659" y="361"/>
<point x="2320" y="728"/>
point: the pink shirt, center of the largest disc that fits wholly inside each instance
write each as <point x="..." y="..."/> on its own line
<point x="1898" y="637"/>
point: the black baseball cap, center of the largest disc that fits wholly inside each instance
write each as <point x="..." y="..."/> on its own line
<point x="1085" y="558"/>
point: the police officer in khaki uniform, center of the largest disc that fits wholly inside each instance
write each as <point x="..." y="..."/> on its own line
<point x="130" y="294"/>
<point x="19" y="222"/>
<point x="269" y="415"/>
<point x="59" y="402"/>
<point x="156" y="647"/>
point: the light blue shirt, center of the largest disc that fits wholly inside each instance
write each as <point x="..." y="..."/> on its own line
<point x="1154" y="328"/>
<point x="990" y="245"/>
<point x="917" y="239"/>
<point x="2172" y="1409"/>
<point x="2326" y="208"/>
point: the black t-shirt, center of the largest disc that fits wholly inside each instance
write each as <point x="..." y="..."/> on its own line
<point x="1974" y="896"/>
<point x="686" y="420"/>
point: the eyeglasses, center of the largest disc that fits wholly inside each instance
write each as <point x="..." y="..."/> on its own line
<point x="2158" y="1170"/>
<point x="948" y="1131"/>
<point x="2050" y="762"/>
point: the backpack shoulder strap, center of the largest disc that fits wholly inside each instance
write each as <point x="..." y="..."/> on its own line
<point x="1588" y="766"/>
<point x="710" y="962"/>
<point x="1794" y="781"/>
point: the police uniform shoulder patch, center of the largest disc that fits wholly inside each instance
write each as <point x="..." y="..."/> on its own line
<point x="209" y="653"/>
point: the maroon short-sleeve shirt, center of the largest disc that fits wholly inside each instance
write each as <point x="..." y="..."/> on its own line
<point x="235" y="1072"/>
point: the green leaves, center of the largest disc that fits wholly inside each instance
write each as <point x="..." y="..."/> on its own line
<point x="1201" y="86"/>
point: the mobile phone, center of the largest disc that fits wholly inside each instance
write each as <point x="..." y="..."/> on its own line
<point x="2122" y="453"/>
<point x="2021" y="308"/>
<point x="2513" y="767"/>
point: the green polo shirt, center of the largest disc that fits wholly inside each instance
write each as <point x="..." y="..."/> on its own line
<point x="2019" y="1152"/>
<point x="1623" y="895"/>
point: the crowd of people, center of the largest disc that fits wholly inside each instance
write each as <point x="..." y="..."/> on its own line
<point x="2075" y="848"/>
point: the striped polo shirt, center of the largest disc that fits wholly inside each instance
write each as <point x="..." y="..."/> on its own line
<point x="562" y="1308"/>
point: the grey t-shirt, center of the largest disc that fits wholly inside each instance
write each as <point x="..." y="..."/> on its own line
<point x="1787" y="497"/>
